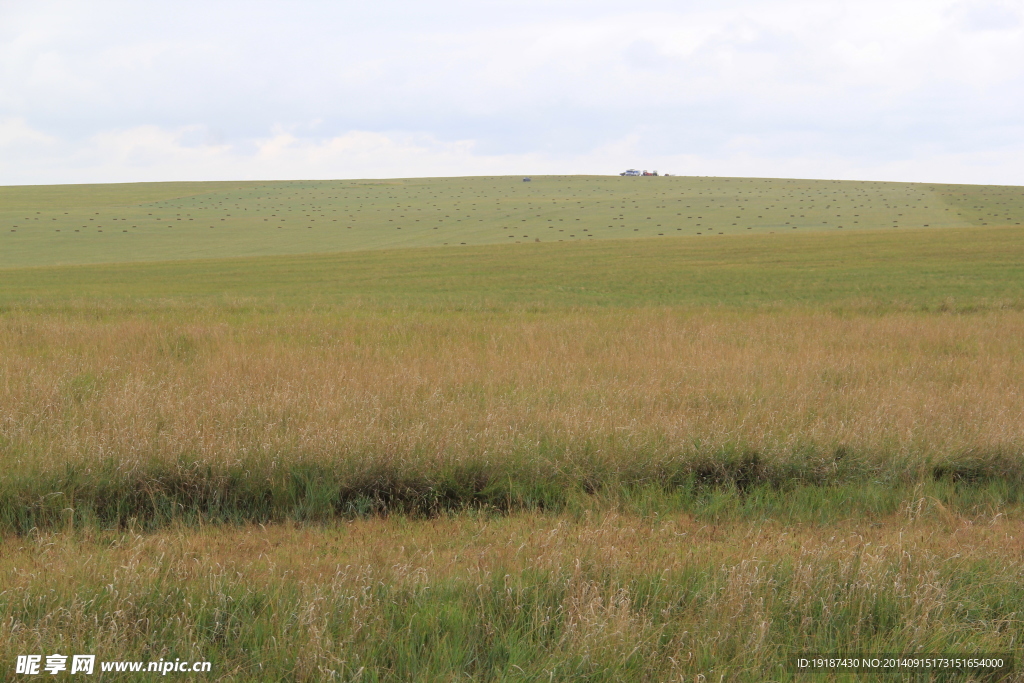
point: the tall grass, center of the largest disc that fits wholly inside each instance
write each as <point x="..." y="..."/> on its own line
<point x="109" y="416"/>
<point x="532" y="597"/>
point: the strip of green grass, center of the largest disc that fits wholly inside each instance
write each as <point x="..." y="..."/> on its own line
<point x="927" y="269"/>
<point x="280" y="487"/>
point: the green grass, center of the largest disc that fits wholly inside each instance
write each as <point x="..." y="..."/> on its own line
<point x="50" y="225"/>
<point x="537" y="597"/>
<point x="953" y="269"/>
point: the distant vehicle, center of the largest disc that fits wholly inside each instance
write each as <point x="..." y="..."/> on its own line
<point x="527" y="180"/>
<point x="631" y="171"/>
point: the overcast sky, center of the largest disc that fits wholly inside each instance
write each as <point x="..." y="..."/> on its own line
<point x="915" y="90"/>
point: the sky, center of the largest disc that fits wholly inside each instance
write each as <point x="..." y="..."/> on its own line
<point x="903" y="90"/>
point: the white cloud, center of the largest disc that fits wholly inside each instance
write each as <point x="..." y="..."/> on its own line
<point x="150" y="153"/>
<point x="16" y="135"/>
<point x="931" y="89"/>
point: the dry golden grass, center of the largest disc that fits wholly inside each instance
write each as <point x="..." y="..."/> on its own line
<point x="77" y="388"/>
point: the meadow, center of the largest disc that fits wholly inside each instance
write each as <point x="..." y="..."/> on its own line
<point x="73" y="224"/>
<point x="655" y="457"/>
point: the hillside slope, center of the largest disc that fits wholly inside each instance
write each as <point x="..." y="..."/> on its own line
<point x="72" y="224"/>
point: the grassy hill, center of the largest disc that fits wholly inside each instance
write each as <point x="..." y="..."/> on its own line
<point x="72" y="224"/>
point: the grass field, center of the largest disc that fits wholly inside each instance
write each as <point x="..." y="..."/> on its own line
<point x="657" y="457"/>
<point x="168" y="221"/>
